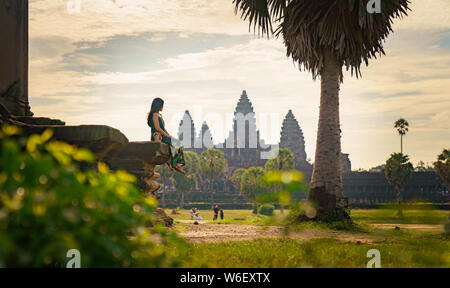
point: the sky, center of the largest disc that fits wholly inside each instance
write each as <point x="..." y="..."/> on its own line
<point x="104" y="61"/>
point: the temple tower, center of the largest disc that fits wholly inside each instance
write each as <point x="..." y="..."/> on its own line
<point x="186" y="131"/>
<point x="244" y="134"/>
<point x="346" y="163"/>
<point x="14" y="57"/>
<point x="205" y="140"/>
<point x="292" y="138"/>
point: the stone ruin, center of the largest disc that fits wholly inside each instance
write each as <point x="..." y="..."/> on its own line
<point x="108" y="144"/>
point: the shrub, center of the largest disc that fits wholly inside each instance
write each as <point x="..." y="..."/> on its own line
<point x="266" y="209"/>
<point x="49" y="206"/>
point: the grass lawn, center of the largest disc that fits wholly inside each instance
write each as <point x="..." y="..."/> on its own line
<point x="245" y="217"/>
<point x="400" y="251"/>
<point x="404" y="248"/>
<point x="414" y="215"/>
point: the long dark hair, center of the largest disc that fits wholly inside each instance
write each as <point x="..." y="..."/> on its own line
<point x="157" y="104"/>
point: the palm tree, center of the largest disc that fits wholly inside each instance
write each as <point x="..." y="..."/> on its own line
<point x="165" y="174"/>
<point x="398" y="171"/>
<point x="236" y="178"/>
<point x="322" y="37"/>
<point x="185" y="183"/>
<point x="252" y="185"/>
<point x="442" y="168"/>
<point x="283" y="161"/>
<point x="402" y="128"/>
<point x="212" y="164"/>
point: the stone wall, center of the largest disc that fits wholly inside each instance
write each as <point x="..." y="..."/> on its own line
<point x="363" y="189"/>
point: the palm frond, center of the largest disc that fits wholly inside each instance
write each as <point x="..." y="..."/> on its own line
<point x="261" y="13"/>
<point x="343" y="27"/>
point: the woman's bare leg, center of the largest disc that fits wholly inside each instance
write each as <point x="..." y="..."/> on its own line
<point x="170" y="166"/>
<point x="179" y="168"/>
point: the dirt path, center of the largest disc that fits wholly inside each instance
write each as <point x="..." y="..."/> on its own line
<point x="233" y="232"/>
<point x="427" y="227"/>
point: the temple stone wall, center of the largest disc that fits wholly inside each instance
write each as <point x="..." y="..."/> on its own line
<point x="363" y="189"/>
<point x="14" y="56"/>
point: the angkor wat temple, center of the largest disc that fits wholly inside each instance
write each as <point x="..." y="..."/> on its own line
<point x="243" y="148"/>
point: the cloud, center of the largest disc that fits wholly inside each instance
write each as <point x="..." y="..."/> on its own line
<point x="98" y="20"/>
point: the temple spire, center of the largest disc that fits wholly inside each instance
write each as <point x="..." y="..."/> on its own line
<point x="292" y="138"/>
<point x="205" y="137"/>
<point x="244" y="105"/>
<point x="186" y="131"/>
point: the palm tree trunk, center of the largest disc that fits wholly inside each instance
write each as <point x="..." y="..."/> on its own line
<point x="164" y="194"/>
<point x="401" y="144"/>
<point x="212" y="193"/>
<point x="182" y="200"/>
<point x="327" y="191"/>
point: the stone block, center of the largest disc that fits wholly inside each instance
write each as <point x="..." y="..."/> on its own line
<point x="102" y="140"/>
<point x="149" y="152"/>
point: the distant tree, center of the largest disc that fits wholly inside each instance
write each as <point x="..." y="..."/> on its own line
<point x="398" y="171"/>
<point x="252" y="184"/>
<point x="379" y="168"/>
<point x="287" y="182"/>
<point x="165" y="175"/>
<point x="423" y="167"/>
<point x="236" y="178"/>
<point x="283" y="161"/>
<point x="185" y="183"/>
<point x="442" y="167"/>
<point x="212" y="164"/>
<point x="402" y="128"/>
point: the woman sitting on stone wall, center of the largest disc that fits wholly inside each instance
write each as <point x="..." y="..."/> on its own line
<point x="159" y="134"/>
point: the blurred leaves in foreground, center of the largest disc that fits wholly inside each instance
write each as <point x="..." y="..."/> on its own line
<point x="282" y="185"/>
<point x="49" y="206"/>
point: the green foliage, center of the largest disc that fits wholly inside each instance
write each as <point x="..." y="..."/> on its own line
<point x="164" y="171"/>
<point x="237" y="176"/>
<point x="252" y="182"/>
<point x="282" y="186"/>
<point x="402" y="126"/>
<point x="442" y="166"/>
<point x="185" y="183"/>
<point x="266" y="209"/>
<point x="49" y="206"/>
<point x="212" y="163"/>
<point x="283" y="161"/>
<point x="398" y="251"/>
<point x="398" y="171"/>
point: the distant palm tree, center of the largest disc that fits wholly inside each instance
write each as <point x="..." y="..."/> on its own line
<point x="283" y="161"/>
<point x="402" y="127"/>
<point x="165" y="174"/>
<point x="398" y="171"/>
<point x="212" y="164"/>
<point x="323" y="37"/>
<point x="185" y="183"/>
